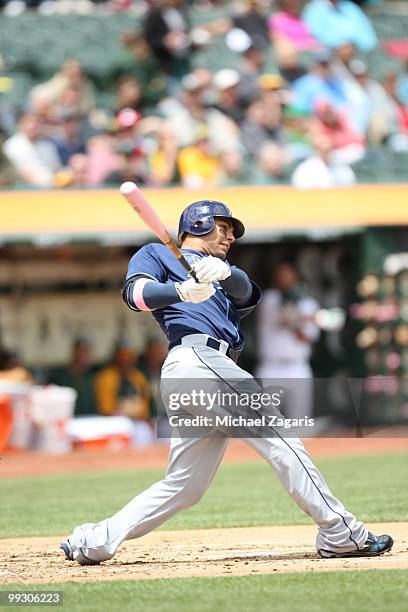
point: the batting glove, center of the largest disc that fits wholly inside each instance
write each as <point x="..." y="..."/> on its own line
<point x="210" y="269"/>
<point x="191" y="291"/>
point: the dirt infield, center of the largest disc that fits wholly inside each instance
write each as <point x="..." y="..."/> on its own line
<point x="205" y="552"/>
<point x="15" y="464"/>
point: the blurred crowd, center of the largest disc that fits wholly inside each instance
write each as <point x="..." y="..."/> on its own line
<point x="81" y="7"/>
<point x="304" y="124"/>
<point x="16" y="7"/>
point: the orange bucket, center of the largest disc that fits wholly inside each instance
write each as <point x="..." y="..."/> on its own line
<point x="6" y="420"/>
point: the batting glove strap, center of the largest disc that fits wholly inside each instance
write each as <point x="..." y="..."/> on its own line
<point x="210" y="269"/>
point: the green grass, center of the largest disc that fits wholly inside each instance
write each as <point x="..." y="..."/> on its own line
<point x="364" y="591"/>
<point x="374" y="487"/>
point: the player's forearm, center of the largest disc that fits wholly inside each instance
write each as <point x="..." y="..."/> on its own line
<point x="238" y="286"/>
<point x="146" y="294"/>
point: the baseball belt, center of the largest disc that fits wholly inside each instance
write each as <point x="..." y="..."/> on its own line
<point x="219" y="345"/>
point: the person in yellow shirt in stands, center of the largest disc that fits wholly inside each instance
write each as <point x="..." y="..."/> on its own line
<point x="198" y="164"/>
<point x="122" y="389"/>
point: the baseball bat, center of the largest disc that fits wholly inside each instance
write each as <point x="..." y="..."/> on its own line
<point x="138" y="202"/>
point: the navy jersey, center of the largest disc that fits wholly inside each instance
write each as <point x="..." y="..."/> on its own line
<point x="217" y="316"/>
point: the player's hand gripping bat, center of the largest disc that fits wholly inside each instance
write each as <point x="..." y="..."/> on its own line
<point x="138" y="202"/>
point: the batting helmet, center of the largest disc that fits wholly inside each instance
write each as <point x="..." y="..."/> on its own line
<point x="199" y="218"/>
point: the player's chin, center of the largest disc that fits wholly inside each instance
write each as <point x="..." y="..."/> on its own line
<point x="222" y="252"/>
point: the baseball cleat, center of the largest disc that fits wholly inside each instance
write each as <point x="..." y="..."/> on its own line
<point x="66" y="547"/>
<point x="373" y="547"/>
<point x="79" y="557"/>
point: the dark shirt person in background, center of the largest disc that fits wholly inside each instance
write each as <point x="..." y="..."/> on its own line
<point x="79" y="375"/>
<point x="167" y="34"/>
<point x="150" y="364"/>
<point x="70" y="140"/>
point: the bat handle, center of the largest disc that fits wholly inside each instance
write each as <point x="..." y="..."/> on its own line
<point x="176" y="251"/>
<point x="187" y="267"/>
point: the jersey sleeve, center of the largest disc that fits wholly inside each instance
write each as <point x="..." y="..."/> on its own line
<point x="252" y="302"/>
<point x="146" y="262"/>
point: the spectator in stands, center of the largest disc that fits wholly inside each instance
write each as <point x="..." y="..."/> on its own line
<point x="205" y="79"/>
<point x="381" y="110"/>
<point x="47" y="116"/>
<point x="199" y="165"/>
<point x="235" y="170"/>
<point x="126" y="126"/>
<point x="8" y="174"/>
<point x="128" y="155"/>
<point x="271" y="164"/>
<point x="166" y="30"/>
<point x="320" y="171"/>
<point x="122" y="389"/>
<point x="263" y="122"/>
<point x="270" y="82"/>
<point x="287" y="26"/>
<point x="70" y="101"/>
<point x="399" y="140"/>
<point x="226" y="82"/>
<point x="34" y="159"/>
<point x="245" y="24"/>
<point x="80" y="375"/>
<point x="334" y="21"/>
<point x="251" y="19"/>
<point x="70" y="140"/>
<point x="343" y="54"/>
<point x="128" y="94"/>
<point x="356" y="98"/>
<point x="8" y="108"/>
<point x="131" y="165"/>
<point x="48" y="7"/>
<point x="78" y="166"/>
<point x="145" y="149"/>
<point x="69" y="77"/>
<point x="297" y="133"/>
<point x="121" y="5"/>
<point x="402" y="84"/>
<point x="102" y="156"/>
<point x="274" y="90"/>
<point x="347" y="144"/>
<point x="75" y="174"/>
<point x="290" y="66"/>
<point x="162" y="157"/>
<point x="190" y="110"/>
<point x="320" y="83"/>
<point x="114" y="151"/>
<point x="11" y="368"/>
<point x="250" y="68"/>
<point x="16" y="7"/>
<point x="136" y="61"/>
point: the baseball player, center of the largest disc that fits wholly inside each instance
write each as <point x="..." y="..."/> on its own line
<point x="202" y="323"/>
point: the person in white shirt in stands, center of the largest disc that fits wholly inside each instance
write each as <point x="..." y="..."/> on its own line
<point x="286" y="333"/>
<point x="321" y="171"/>
<point x="34" y="159"/>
